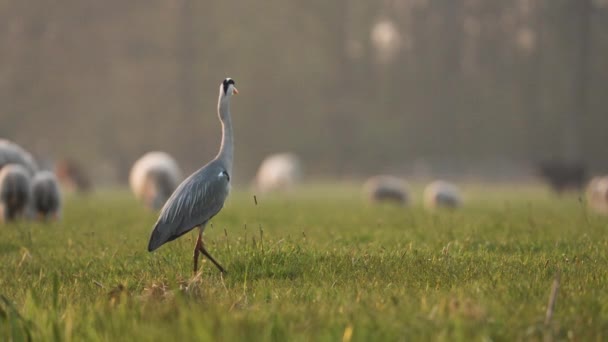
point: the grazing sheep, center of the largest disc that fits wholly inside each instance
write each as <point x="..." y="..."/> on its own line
<point x="11" y="153"/>
<point x="563" y="175"/>
<point x="279" y="172"/>
<point x="153" y="178"/>
<point x="387" y="189"/>
<point x="72" y="176"/>
<point x="441" y="194"/>
<point x="46" y="197"/>
<point x="597" y="195"/>
<point x="14" y="191"/>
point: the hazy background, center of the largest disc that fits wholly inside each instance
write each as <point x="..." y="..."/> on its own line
<point x="471" y="88"/>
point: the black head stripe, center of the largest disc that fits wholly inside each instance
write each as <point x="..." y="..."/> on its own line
<point x="227" y="82"/>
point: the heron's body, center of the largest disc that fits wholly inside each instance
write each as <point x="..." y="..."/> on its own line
<point x="195" y="201"/>
<point x="201" y="196"/>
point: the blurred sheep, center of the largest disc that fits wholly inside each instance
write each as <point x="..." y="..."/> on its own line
<point x="563" y="175"/>
<point x="387" y="189"/>
<point x="72" y="176"/>
<point x="14" y="191"/>
<point x="11" y="153"/>
<point x="153" y="178"/>
<point x="441" y="194"/>
<point x="45" y="196"/>
<point x="279" y="172"/>
<point x="597" y="195"/>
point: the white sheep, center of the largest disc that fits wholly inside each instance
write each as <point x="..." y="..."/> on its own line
<point x="11" y="153"/>
<point x="387" y="189"/>
<point x="597" y="194"/>
<point x="154" y="177"/>
<point x="441" y="194"/>
<point x="14" y="191"/>
<point x="279" y="172"/>
<point x="45" y="196"/>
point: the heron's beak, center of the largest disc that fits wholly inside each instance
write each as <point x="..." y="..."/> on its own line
<point x="235" y="91"/>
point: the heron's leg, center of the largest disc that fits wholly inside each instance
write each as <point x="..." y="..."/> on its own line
<point x="205" y="253"/>
<point x="197" y="247"/>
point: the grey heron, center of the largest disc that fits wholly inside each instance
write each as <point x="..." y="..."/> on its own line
<point x="14" y="191"/>
<point x="200" y="196"/>
<point x="46" y="196"/>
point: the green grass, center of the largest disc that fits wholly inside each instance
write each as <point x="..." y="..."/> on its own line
<point x="321" y="264"/>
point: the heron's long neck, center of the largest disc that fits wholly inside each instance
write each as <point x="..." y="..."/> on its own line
<point x="226" y="148"/>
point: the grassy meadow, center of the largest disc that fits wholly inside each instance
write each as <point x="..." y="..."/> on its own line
<point x="320" y="264"/>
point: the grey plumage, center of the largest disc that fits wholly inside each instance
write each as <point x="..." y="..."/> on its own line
<point x="162" y="184"/>
<point x="46" y="196"/>
<point x="14" y="191"/>
<point x="200" y="196"/>
<point x="195" y="201"/>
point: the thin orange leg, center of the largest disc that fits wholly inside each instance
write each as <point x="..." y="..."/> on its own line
<point x="205" y="253"/>
<point x="200" y="248"/>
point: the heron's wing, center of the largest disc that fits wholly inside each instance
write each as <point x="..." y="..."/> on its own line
<point x="195" y="201"/>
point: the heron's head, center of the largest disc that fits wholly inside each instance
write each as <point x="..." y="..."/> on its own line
<point x="227" y="88"/>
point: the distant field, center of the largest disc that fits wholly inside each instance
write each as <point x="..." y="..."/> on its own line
<point x="318" y="264"/>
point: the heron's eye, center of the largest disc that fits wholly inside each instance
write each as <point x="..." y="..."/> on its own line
<point x="225" y="174"/>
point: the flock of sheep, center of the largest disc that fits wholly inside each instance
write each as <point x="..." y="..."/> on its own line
<point x="155" y="175"/>
<point x="437" y="194"/>
<point x="26" y="191"/>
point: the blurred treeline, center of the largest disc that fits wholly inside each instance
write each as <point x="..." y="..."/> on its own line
<point x="354" y="87"/>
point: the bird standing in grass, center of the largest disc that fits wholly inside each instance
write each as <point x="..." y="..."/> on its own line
<point x="200" y="196"/>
